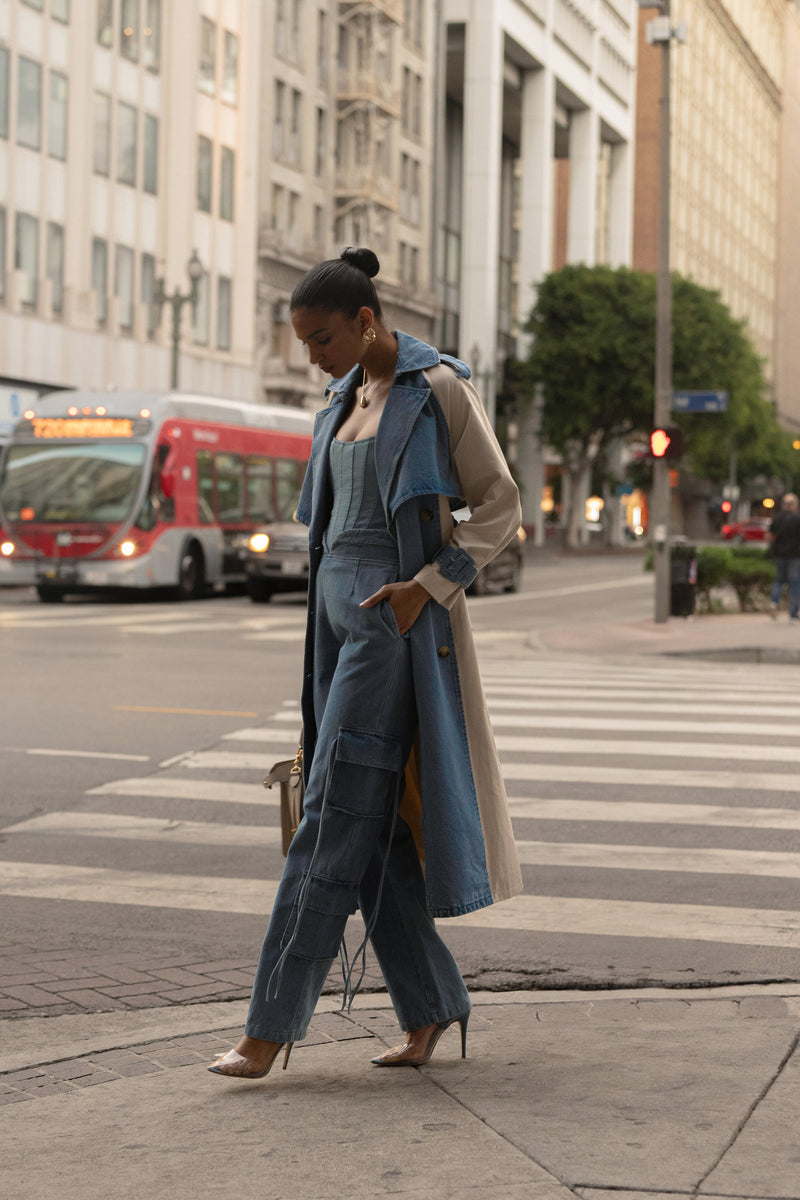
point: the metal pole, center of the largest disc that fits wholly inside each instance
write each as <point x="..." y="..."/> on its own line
<point x="663" y="377"/>
<point x="177" y="304"/>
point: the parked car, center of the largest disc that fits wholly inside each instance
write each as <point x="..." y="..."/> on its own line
<point x="503" y="574"/>
<point x="276" y="560"/>
<point x="752" y="530"/>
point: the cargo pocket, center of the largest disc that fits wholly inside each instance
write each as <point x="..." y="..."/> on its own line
<point x="362" y="790"/>
<point x="326" y="907"/>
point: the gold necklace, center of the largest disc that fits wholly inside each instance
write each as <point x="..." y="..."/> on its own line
<point x="365" y="399"/>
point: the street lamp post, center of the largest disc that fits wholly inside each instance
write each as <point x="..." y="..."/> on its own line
<point x="661" y="33"/>
<point x="195" y="271"/>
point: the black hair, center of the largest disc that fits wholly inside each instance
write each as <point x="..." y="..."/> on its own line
<point x="342" y="284"/>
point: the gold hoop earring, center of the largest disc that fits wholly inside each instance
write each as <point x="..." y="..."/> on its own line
<point x="369" y="336"/>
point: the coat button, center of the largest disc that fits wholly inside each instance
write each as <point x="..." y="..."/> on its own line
<point x="426" y="515"/>
<point x="443" y="652"/>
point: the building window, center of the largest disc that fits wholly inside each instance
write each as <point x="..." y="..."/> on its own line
<point x="281" y="28"/>
<point x="148" y="282"/>
<point x="150" y="181"/>
<point x="226" y="177"/>
<point x="207" y="79"/>
<point x="416" y="106"/>
<point x="102" y="134"/>
<point x="204" y="162"/>
<point x="322" y="48"/>
<point x="405" y="101"/>
<point x="279" y="121"/>
<point x="100" y="278"/>
<point x="57" y="131"/>
<point x="59" y="10"/>
<point x="37" y="4"/>
<point x="415" y="205"/>
<point x="296" y="125"/>
<point x="277" y="206"/>
<point x="318" y="229"/>
<point x="126" y="143"/>
<point x="230" y="69"/>
<point x="151" y="49"/>
<point x="55" y="265"/>
<point x="3" y="252"/>
<point x="105" y="22"/>
<point x="148" y="287"/>
<point x="223" y="313"/>
<point x="123" y="285"/>
<point x="26" y="257"/>
<point x="320" y="153"/>
<point x="3" y="92"/>
<point x="200" y="323"/>
<point x="297" y="30"/>
<point x="29" y="104"/>
<point x="129" y="29"/>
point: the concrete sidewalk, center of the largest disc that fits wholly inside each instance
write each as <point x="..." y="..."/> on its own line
<point x="629" y="1094"/>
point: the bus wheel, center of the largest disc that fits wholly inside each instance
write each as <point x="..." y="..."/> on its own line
<point x="49" y="594"/>
<point x="191" y="577"/>
<point x="258" y="590"/>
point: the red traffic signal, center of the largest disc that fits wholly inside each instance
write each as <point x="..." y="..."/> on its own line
<point x="726" y="506"/>
<point x="666" y="442"/>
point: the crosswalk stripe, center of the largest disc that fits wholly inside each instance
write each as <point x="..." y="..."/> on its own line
<point x="630" y="812"/>
<point x="640" y="919"/>
<point x="594" y="855"/>
<point x="163" y="788"/>
<point x="638" y="748"/>
<point x="605" y="856"/>
<point x="631" y="724"/>
<point x="103" y="885"/>
<point x="534" y="914"/>
<point x="113" y="825"/>
<point x="636" y="703"/>
<point x="646" y="778"/>
<point x="262" y="734"/>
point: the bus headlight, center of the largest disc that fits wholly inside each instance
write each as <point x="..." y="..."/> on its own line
<point x="127" y="549"/>
<point x="7" y="549"/>
<point x="259" y="542"/>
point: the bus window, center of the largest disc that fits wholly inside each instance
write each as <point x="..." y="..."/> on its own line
<point x="205" y="487"/>
<point x="230" y="487"/>
<point x="259" y="488"/>
<point x="287" y="487"/>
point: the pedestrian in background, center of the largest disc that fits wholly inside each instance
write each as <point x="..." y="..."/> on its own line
<point x="400" y="765"/>
<point x="784" y="537"/>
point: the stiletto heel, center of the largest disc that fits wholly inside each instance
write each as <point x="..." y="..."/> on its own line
<point x="396" y="1057"/>
<point x="234" y="1059"/>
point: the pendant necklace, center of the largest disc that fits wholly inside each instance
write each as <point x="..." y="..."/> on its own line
<point x="365" y="399"/>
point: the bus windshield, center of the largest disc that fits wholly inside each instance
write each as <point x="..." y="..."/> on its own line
<point x="96" y="482"/>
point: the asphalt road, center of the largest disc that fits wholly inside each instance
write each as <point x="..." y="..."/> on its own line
<point x="135" y="735"/>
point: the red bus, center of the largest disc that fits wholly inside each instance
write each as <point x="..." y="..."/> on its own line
<point x="136" y="490"/>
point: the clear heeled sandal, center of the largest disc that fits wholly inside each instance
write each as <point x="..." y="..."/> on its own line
<point x="396" y="1058"/>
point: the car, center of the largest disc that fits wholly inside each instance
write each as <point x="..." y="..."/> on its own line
<point x="752" y="530"/>
<point x="503" y="573"/>
<point x="276" y="560"/>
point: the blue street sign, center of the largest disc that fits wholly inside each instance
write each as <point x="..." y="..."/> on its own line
<point x="699" y="401"/>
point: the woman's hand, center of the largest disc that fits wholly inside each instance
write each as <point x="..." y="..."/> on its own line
<point x="407" y="601"/>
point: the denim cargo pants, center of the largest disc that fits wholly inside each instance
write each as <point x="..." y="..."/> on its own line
<point x="351" y="848"/>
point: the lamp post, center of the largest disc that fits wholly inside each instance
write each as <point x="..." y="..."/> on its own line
<point x="661" y="33"/>
<point x="195" y="271"/>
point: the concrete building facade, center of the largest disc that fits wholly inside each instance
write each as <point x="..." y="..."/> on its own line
<point x="348" y="113"/>
<point x="729" y="118"/>
<point x="787" y="343"/>
<point x="536" y="169"/>
<point x="128" y="133"/>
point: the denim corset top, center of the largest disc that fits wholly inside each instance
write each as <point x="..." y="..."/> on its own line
<point x="357" y="517"/>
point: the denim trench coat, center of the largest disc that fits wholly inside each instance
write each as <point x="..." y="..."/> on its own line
<point x="434" y="451"/>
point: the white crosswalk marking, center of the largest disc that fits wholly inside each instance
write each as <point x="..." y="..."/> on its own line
<point x="637" y="777"/>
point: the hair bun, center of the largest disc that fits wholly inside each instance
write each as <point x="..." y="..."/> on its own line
<point x="362" y="258"/>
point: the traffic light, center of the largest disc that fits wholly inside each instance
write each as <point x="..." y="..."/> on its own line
<point x="666" y="442"/>
<point x="726" y="506"/>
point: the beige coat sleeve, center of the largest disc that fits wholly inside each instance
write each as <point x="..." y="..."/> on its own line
<point x="484" y="480"/>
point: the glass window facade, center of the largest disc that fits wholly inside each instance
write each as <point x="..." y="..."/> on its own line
<point x="100" y="277"/>
<point x="4" y="81"/>
<point x="230" y="69"/>
<point x="150" y="175"/>
<point x="129" y="29"/>
<point x="26" y="257"/>
<point x="151" y="42"/>
<point x="105" y="22"/>
<point x="55" y="264"/>
<point x="200" y="321"/>
<point x="123" y="285"/>
<point x="226" y="183"/>
<point x="223" y="313"/>
<point x="204" y="169"/>
<point x="102" y="134"/>
<point x="207" y="74"/>
<point x="148" y="283"/>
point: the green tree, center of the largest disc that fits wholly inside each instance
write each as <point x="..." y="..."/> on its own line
<point x="593" y="353"/>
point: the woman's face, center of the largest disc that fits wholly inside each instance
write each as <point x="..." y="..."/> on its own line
<point x="334" y="342"/>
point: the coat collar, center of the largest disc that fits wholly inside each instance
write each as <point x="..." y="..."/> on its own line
<point x="412" y="355"/>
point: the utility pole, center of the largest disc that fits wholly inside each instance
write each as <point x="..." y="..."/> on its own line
<point x="661" y="33"/>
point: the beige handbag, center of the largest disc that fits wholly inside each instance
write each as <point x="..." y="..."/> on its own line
<point x="289" y="774"/>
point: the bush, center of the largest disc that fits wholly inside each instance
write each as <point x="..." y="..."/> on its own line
<point x="744" y="568"/>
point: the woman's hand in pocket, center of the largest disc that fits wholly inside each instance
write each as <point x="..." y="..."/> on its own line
<point x="407" y="601"/>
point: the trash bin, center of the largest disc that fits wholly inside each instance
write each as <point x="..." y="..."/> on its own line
<point x="683" y="580"/>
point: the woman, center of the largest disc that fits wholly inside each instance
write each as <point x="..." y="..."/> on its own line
<point x="405" y="814"/>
